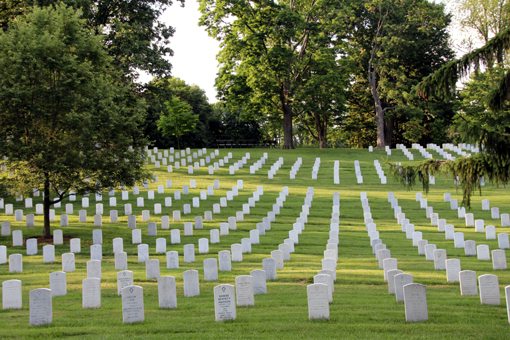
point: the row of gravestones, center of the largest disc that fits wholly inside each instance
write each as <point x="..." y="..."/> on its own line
<point x="470" y="248"/>
<point x="320" y="293"/>
<point x="401" y="284"/>
<point x="244" y="284"/>
<point x="15" y="260"/>
<point x="17" y="235"/>
<point x="488" y="283"/>
<point x="140" y="201"/>
<point x="274" y="168"/>
<point x="380" y="172"/>
<point x="93" y="266"/>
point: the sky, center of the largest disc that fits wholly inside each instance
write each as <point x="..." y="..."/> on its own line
<point x="194" y="58"/>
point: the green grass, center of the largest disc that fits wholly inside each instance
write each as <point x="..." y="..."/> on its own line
<point x="362" y="308"/>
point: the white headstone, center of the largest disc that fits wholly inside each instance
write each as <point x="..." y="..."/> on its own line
<point x="68" y="264"/>
<point x="269" y="266"/>
<point x="210" y="269"/>
<point x="11" y="294"/>
<point x="15" y="263"/>
<point x="48" y="253"/>
<point x="224" y="302"/>
<point x="489" y="289"/>
<point x="468" y="283"/>
<point x="259" y="281"/>
<point x="452" y="270"/>
<point x="152" y="271"/>
<point x="400" y="281"/>
<point x="167" y="293"/>
<point x="318" y="301"/>
<point x="41" y="309"/>
<point x="132" y="304"/>
<point x="58" y="283"/>
<point x="172" y="259"/>
<point x="124" y="279"/>
<point x="191" y="283"/>
<point x="415" y="301"/>
<point x="120" y="260"/>
<point x="499" y="259"/>
<point x="91" y="292"/>
<point x="482" y="252"/>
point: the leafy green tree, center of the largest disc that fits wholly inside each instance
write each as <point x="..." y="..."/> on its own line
<point x="68" y="122"/>
<point x="134" y="35"/>
<point x="178" y="119"/>
<point x="159" y="91"/>
<point x="486" y="17"/>
<point x="394" y="44"/>
<point x="267" y="49"/>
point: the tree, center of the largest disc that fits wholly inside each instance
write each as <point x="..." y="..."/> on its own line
<point x="134" y="35"/>
<point x="178" y="119"/>
<point x="393" y="45"/>
<point x="267" y="48"/>
<point x="157" y="94"/>
<point x="484" y="118"/>
<point x="486" y="17"/>
<point x="68" y="124"/>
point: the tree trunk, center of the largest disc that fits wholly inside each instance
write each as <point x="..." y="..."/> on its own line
<point x="379" y="112"/>
<point x="288" y="142"/>
<point x="46" y="208"/>
<point x="321" y="128"/>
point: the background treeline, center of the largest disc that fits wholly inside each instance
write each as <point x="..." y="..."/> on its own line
<point x="327" y="73"/>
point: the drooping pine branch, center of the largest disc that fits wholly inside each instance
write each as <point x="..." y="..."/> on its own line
<point x="442" y="83"/>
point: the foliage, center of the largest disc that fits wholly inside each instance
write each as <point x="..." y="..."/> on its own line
<point x="268" y="52"/>
<point x="67" y="122"/>
<point x="393" y="45"/>
<point x="134" y="35"/>
<point x="161" y="90"/>
<point x="178" y="119"/>
<point x="234" y="125"/>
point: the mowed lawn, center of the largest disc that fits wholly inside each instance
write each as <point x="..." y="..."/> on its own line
<point x="362" y="307"/>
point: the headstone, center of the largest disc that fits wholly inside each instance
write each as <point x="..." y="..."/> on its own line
<point x="120" y="258"/>
<point x="224" y="302"/>
<point x="152" y="271"/>
<point x="91" y="293"/>
<point x="482" y="252"/>
<point x="191" y="283"/>
<point x="469" y="248"/>
<point x="136" y="236"/>
<point x="172" y="259"/>
<point x="391" y="279"/>
<point x="124" y="279"/>
<point x="11" y="294"/>
<point x="96" y="252"/>
<point x="210" y="269"/>
<point x="161" y="245"/>
<point x="48" y="253"/>
<point x="318" y="301"/>
<point x="468" y="283"/>
<point x="189" y="253"/>
<point x="503" y="242"/>
<point x="167" y="293"/>
<point x="269" y="266"/>
<point x="17" y="238"/>
<point x="244" y="290"/>
<point x="489" y="289"/>
<point x="58" y="237"/>
<point x="499" y="259"/>
<point x="452" y="270"/>
<point x="415" y="301"/>
<point x="94" y="269"/>
<point x="440" y="259"/>
<point x="400" y="281"/>
<point x="97" y="236"/>
<point x="225" y="260"/>
<point x="58" y="283"/>
<point x="237" y="253"/>
<point x="3" y="254"/>
<point x="132" y="304"/>
<point x="41" y="309"/>
<point x="32" y="246"/>
<point x="15" y="263"/>
<point x="143" y="252"/>
<point x="68" y="264"/>
<point x="259" y="281"/>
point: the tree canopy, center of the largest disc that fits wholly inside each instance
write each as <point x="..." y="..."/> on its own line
<point x="70" y="123"/>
